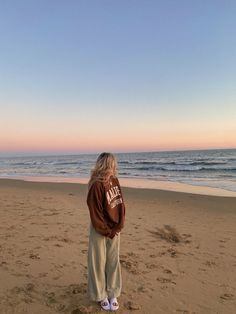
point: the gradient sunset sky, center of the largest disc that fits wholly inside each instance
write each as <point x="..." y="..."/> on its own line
<point x="88" y="76"/>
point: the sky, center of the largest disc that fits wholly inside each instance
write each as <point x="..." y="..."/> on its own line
<point x="129" y="75"/>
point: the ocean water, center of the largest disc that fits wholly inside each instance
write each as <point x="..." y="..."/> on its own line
<point x="213" y="168"/>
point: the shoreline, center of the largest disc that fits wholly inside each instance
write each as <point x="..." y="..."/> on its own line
<point x="135" y="183"/>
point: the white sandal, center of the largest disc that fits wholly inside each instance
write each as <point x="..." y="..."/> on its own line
<point x="114" y="304"/>
<point x="105" y="305"/>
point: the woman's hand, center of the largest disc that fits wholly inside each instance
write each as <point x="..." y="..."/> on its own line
<point x="115" y="231"/>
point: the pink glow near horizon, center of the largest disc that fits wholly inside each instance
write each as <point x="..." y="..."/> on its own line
<point x="73" y="138"/>
<point x="57" y="146"/>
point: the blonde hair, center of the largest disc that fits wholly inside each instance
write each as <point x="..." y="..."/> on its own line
<point x="105" y="168"/>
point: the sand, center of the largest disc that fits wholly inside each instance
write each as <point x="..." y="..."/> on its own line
<point x="139" y="183"/>
<point x="44" y="240"/>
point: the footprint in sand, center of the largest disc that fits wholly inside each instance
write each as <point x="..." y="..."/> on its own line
<point x="130" y="264"/>
<point x="172" y="252"/>
<point x="165" y="280"/>
<point x="210" y="263"/>
<point x="77" y="289"/>
<point x="34" y="256"/>
<point x="142" y="289"/>
<point x="132" y="254"/>
<point x="49" y="297"/>
<point x="227" y="296"/>
<point x="58" y="245"/>
<point x="3" y="263"/>
<point x="24" y="293"/>
<point x="84" y="310"/>
<point x="223" y="241"/>
<point x="130" y="305"/>
<point x="167" y="271"/>
<point x="142" y="249"/>
<point x="153" y="255"/>
<point x="151" y="266"/>
<point x="42" y="275"/>
<point x="222" y="246"/>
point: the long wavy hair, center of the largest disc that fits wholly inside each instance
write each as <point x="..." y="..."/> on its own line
<point x="105" y="168"/>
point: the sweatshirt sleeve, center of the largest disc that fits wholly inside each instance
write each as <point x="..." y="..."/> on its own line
<point x="120" y="225"/>
<point x="95" y="205"/>
<point x="122" y="210"/>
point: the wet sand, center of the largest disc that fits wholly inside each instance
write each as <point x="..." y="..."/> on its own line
<point x="44" y="240"/>
<point x="138" y="183"/>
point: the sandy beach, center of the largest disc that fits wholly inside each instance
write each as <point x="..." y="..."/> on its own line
<point x="178" y="251"/>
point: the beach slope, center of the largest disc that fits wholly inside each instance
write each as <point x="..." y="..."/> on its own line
<point x="177" y="251"/>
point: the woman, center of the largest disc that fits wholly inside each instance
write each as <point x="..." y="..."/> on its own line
<point x="107" y="214"/>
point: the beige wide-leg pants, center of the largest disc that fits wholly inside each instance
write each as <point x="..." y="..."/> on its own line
<point x="104" y="271"/>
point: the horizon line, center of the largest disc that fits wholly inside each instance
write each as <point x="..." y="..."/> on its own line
<point x="48" y="154"/>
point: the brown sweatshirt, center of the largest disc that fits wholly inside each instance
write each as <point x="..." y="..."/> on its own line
<point x="106" y="207"/>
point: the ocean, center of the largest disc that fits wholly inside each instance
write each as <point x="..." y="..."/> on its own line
<point x="212" y="168"/>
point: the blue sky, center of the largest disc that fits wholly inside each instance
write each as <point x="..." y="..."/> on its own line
<point x="157" y="74"/>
